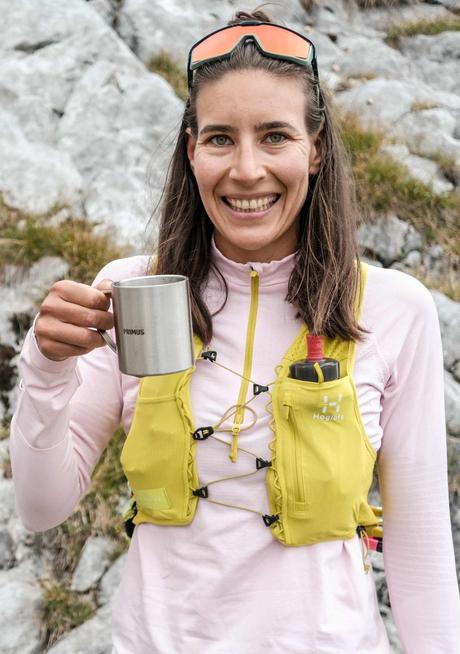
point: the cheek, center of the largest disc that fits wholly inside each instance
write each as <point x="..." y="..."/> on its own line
<point x="207" y="172"/>
<point x="294" y="169"/>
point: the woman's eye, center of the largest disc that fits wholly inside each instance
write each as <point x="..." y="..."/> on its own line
<point x="276" y="138"/>
<point x="220" y="139"/>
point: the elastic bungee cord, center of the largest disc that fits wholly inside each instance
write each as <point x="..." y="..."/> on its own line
<point x="209" y="432"/>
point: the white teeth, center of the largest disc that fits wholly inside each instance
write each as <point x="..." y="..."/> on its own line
<point x="255" y="204"/>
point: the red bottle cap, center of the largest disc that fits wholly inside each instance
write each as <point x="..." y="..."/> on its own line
<point x="315" y="347"/>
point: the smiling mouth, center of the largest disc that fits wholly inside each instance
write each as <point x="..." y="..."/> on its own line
<point x="251" y="205"/>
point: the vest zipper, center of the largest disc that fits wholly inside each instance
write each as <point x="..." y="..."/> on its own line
<point x="239" y="416"/>
<point x="296" y="455"/>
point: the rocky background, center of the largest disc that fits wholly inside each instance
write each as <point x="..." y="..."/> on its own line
<point x="86" y="126"/>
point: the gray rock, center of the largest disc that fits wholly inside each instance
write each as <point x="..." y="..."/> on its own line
<point x="6" y="550"/>
<point x="381" y="102"/>
<point x="111" y="581"/>
<point x="366" y="55"/>
<point x="20" y="600"/>
<point x="92" y="637"/>
<point x="437" y="58"/>
<point x="452" y="404"/>
<point x="7" y="504"/>
<point x="36" y="177"/>
<point x="84" y="108"/>
<point x="412" y="260"/>
<point x="94" y="561"/>
<point x="429" y="132"/>
<point x="425" y="170"/>
<point x="456" y="371"/>
<point x="113" y="126"/>
<point x="22" y="288"/>
<point x="389" y="238"/>
<point x="449" y="320"/>
<point x="4" y="454"/>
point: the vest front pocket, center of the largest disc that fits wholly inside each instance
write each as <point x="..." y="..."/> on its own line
<point x="321" y="459"/>
<point x="158" y="461"/>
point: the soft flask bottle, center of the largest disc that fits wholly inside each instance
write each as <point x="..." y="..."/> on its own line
<point x="305" y="370"/>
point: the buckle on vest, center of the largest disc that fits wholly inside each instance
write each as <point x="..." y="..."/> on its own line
<point x="270" y="519"/>
<point x="258" y="389"/>
<point x="128" y="523"/>
<point x="210" y="355"/>
<point x="261" y="463"/>
<point x="201" y="492"/>
<point x="202" y="433"/>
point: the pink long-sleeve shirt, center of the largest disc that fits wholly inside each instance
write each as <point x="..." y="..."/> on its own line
<point x="223" y="584"/>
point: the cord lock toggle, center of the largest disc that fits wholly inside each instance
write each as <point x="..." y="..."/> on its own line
<point x="210" y="355"/>
<point x="202" y="433"/>
<point x="201" y="492"/>
<point x="258" y="389"/>
<point x="261" y="463"/>
<point x="270" y="519"/>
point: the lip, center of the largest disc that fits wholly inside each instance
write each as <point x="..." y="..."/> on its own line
<point x="252" y="196"/>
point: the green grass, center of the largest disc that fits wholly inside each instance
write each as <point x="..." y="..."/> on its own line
<point x="384" y="186"/>
<point x="425" y="26"/>
<point x="26" y="238"/>
<point x="61" y="611"/>
<point x="174" y="74"/>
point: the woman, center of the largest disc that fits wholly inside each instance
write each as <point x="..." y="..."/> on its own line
<point x="257" y="214"/>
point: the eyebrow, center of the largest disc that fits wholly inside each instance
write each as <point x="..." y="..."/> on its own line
<point x="260" y="127"/>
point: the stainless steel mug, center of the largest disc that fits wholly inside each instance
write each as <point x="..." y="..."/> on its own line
<point x="153" y="325"/>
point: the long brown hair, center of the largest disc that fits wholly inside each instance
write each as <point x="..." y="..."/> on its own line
<point x="326" y="278"/>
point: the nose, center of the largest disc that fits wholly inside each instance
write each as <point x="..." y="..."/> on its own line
<point x="247" y="166"/>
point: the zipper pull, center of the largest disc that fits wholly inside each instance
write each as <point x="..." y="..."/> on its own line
<point x="286" y="406"/>
<point x="364" y="548"/>
<point x="234" y="446"/>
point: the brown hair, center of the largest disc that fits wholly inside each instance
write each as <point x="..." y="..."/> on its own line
<point x="325" y="278"/>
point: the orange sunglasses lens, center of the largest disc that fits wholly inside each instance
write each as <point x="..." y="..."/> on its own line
<point x="272" y="39"/>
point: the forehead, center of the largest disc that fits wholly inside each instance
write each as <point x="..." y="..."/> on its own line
<point x="251" y="95"/>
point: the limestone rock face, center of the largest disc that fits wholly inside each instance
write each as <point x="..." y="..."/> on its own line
<point x="19" y="611"/>
<point x="84" y="118"/>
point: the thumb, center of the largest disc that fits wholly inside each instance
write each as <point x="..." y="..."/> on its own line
<point x="105" y="285"/>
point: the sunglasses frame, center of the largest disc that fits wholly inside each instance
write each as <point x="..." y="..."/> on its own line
<point x="253" y="37"/>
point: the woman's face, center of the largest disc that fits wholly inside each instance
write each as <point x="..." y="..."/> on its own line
<point x="252" y="158"/>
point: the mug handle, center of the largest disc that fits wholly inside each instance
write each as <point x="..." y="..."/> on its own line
<point x="110" y="342"/>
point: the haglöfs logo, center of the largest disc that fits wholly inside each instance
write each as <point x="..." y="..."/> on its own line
<point x="137" y="332"/>
<point x="330" y="409"/>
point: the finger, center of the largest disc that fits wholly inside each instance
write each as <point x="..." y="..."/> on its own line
<point x="59" y="351"/>
<point x="75" y="314"/>
<point x="82" y="294"/>
<point x="50" y="331"/>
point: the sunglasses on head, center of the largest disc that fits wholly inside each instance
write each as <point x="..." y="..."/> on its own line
<point x="272" y="40"/>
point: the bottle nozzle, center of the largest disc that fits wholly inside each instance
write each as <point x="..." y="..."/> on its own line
<point x="315" y="347"/>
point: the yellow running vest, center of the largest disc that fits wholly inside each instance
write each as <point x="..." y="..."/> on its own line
<point x="322" y="461"/>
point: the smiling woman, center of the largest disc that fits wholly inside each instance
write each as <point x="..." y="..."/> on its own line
<point x="249" y="511"/>
<point x="252" y="162"/>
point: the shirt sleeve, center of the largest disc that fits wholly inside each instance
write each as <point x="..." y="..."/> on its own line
<point x="412" y="462"/>
<point x="65" y="415"/>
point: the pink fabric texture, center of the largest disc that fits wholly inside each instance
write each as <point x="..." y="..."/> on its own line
<point x="224" y="585"/>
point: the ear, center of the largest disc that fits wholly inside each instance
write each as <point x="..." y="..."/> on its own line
<point x="191" y="144"/>
<point x="314" y="160"/>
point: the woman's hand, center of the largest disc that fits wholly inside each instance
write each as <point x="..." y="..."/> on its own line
<point x="67" y="312"/>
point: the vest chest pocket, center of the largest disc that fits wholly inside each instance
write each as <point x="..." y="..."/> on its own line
<point x="158" y="460"/>
<point x="320" y="450"/>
